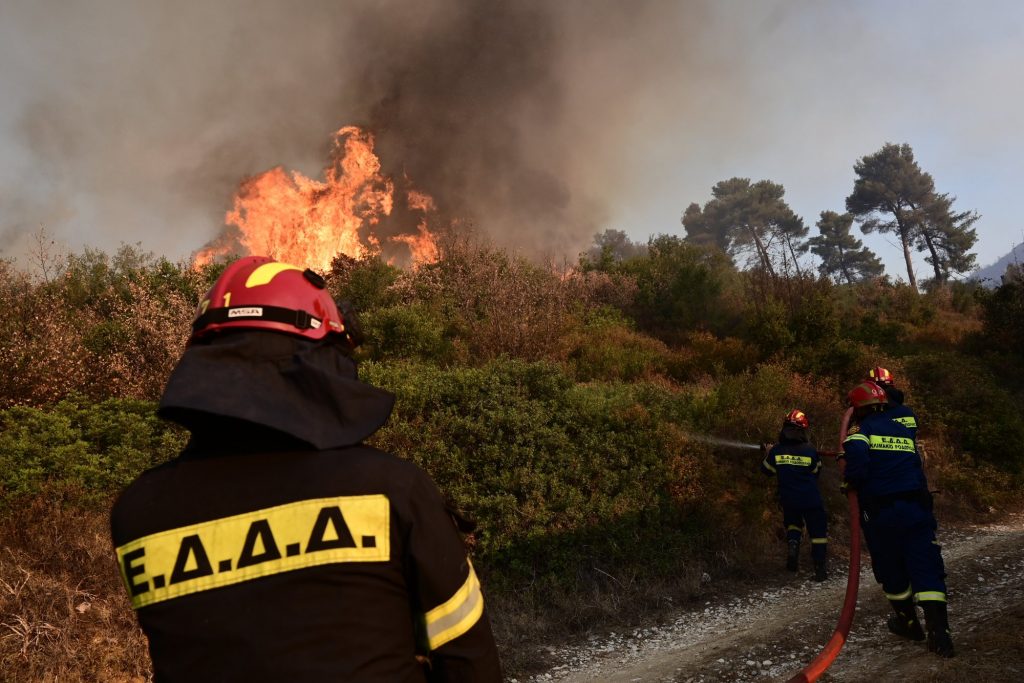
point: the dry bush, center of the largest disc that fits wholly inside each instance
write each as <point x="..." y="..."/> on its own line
<point x="100" y="335"/>
<point x="504" y="305"/>
<point x="63" y="611"/>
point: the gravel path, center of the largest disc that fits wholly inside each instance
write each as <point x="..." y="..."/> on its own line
<point x="768" y="635"/>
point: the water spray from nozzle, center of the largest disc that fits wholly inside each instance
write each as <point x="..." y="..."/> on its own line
<point x="723" y="442"/>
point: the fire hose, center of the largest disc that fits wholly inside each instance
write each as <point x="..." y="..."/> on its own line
<point x="828" y="654"/>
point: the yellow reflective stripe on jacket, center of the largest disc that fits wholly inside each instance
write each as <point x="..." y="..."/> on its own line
<point x="930" y="596"/>
<point x="892" y="443"/>
<point x="857" y="437"/>
<point x="248" y="546"/>
<point x="900" y="596"/>
<point x="785" y="459"/>
<point x="908" y="422"/>
<point x="457" y="615"/>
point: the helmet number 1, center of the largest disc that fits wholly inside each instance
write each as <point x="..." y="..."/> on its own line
<point x="227" y="299"/>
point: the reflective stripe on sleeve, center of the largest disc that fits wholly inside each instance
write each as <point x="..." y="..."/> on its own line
<point x="930" y="596"/>
<point x="457" y="615"/>
<point x="857" y="437"/>
<point x="767" y="465"/>
<point x="820" y="541"/>
<point x="900" y="596"/>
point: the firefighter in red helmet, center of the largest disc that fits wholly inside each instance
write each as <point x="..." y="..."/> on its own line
<point x="277" y="546"/>
<point x="883" y="466"/>
<point x="796" y="464"/>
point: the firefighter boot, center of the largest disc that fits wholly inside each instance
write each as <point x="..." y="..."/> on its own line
<point x="939" y="640"/>
<point x="793" y="554"/>
<point x="821" y="570"/>
<point x="904" y="623"/>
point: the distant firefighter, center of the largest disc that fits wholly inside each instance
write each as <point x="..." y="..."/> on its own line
<point x="278" y="547"/>
<point x="883" y="466"/>
<point x="796" y="464"/>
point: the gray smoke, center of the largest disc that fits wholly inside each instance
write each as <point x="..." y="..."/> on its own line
<point x="144" y="118"/>
<point x="539" y="121"/>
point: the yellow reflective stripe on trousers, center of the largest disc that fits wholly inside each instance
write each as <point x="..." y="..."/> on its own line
<point x="820" y="541"/>
<point x="857" y="437"/>
<point x="905" y="595"/>
<point x="892" y="443"/>
<point x="225" y="551"/>
<point x="930" y="596"/>
<point x="794" y="527"/>
<point x="457" y="615"/>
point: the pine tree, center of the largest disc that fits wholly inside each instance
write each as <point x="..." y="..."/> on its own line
<point x="749" y="218"/>
<point x="893" y="195"/>
<point x="843" y="256"/>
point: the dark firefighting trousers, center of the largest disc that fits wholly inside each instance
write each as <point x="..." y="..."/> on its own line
<point x="817" y="528"/>
<point x="905" y="557"/>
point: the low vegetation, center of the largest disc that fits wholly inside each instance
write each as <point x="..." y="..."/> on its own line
<point x="561" y="409"/>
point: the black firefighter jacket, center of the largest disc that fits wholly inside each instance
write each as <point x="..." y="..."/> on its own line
<point x="258" y="556"/>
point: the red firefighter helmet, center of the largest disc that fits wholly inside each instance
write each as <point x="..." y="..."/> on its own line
<point x="798" y="418"/>
<point x="259" y="293"/>
<point x="866" y="394"/>
<point x="880" y="375"/>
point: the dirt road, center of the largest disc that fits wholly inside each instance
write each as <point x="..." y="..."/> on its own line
<point x="768" y="635"/>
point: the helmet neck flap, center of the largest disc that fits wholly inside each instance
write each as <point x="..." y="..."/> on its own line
<point x="307" y="390"/>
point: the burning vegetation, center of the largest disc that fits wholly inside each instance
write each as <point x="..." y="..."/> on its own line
<point x="356" y="210"/>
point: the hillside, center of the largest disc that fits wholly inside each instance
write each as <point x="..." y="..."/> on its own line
<point x="991" y="275"/>
<point x="569" y="412"/>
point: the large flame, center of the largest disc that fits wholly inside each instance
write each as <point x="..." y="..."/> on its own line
<point x="296" y="219"/>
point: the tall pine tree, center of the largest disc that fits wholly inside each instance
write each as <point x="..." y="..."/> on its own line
<point x="843" y="256"/>
<point x="893" y="195"/>
<point x="752" y="219"/>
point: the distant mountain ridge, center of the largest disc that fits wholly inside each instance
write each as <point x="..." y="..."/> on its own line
<point x="991" y="276"/>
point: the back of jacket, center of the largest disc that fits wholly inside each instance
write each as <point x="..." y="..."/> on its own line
<point x="796" y="464"/>
<point x="299" y="566"/>
<point x="881" y="456"/>
<point x="903" y="415"/>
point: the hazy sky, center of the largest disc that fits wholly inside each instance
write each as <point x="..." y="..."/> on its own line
<point x="134" y="122"/>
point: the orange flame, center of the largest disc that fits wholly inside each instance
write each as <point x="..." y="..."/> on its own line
<point x="296" y="219"/>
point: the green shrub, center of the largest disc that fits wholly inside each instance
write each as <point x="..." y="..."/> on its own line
<point x="606" y="348"/>
<point x="413" y="332"/>
<point x="538" y="459"/>
<point x="86" y="451"/>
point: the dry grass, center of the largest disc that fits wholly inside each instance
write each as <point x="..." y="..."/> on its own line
<point x="63" y="613"/>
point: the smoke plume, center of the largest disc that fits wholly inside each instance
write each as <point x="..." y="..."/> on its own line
<point x="148" y="117"/>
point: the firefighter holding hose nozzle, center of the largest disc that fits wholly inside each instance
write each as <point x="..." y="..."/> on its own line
<point x="795" y="463"/>
<point x="883" y="466"/>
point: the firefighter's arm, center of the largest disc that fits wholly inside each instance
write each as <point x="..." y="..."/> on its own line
<point x="447" y="595"/>
<point x="855" y="453"/>
<point x="767" y="463"/>
<point x="815" y="462"/>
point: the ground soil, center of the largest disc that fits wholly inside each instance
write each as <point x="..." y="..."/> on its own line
<point x="768" y="632"/>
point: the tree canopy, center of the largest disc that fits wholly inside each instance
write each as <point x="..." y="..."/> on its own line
<point x="893" y="195"/>
<point x="843" y="256"/>
<point x="750" y="218"/>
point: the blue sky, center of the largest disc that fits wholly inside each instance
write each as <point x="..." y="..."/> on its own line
<point x="121" y="124"/>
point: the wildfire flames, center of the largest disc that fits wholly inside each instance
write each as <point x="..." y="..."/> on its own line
<point x="296" y="219"/>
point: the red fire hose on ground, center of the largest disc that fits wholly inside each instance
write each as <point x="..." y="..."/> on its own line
<point x="828" y="654"/>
